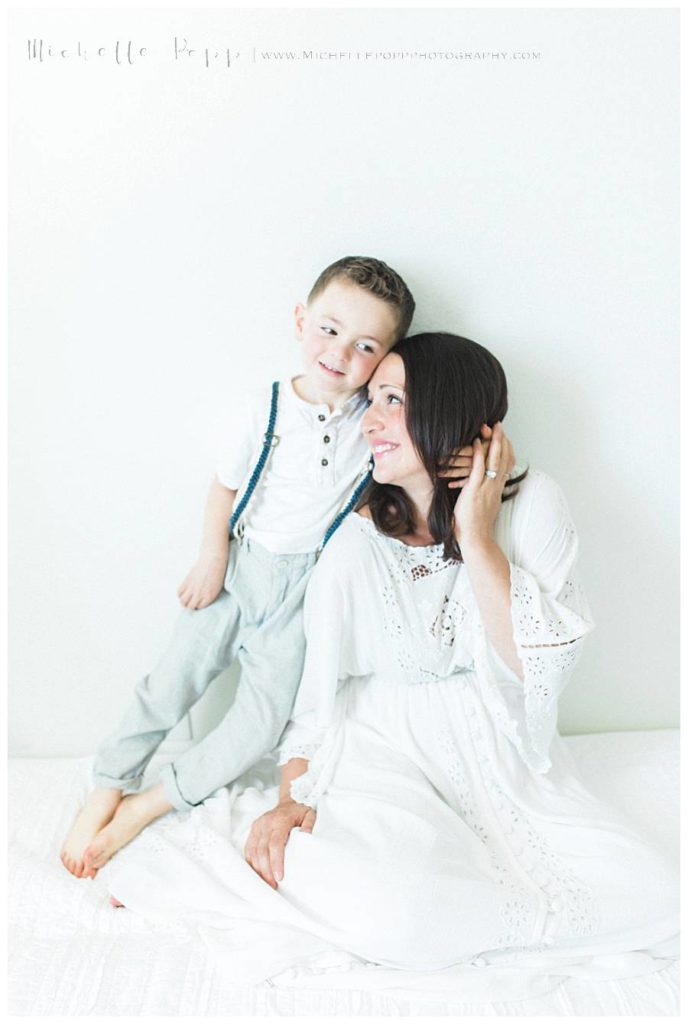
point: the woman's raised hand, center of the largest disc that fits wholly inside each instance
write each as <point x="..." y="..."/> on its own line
<point x="458" y="469"/>
<point x="264" y="849"/>
<point x="476" y="510"/>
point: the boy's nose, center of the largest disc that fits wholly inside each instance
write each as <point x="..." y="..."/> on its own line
<point x="340" y="348"/>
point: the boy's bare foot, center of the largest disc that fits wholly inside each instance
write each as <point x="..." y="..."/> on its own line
<point x="132" y="815"/>
<point x="98" y="810"/>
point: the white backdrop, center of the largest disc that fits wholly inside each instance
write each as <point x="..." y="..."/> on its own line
<point x="167" y="215"/>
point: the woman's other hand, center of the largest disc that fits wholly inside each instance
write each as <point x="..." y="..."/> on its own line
<point x="478" y="504"/>
<point x="264" y="849"/>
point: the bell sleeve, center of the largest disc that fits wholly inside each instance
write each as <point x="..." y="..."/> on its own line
<point x="550" y="618"/>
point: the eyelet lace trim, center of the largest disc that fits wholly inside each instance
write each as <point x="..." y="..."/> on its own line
<point x="423" y="643"/>
<point x="549" y="878"/>
<point x="304" y="750"/>
<point x="451" y="616"/>
<point x="413" y="564"/>
<point x="410" y="564"/>
<point x="518" y="910"/>
<point x="309" y="787"/>
<point x="548" y="633"/>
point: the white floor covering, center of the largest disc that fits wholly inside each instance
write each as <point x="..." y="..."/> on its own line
<point x="72" y="954"/>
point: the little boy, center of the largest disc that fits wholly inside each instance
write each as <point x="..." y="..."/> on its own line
<point x="244" y="599"/>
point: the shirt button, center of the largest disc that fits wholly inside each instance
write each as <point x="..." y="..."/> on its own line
<point x="554" y="906"/>
<point x="326" y="438"/>
<point x="321" y="417"/>
<point x="323" y="462"/>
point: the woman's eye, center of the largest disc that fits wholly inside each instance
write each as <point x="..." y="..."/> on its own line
<point x="391" y="399"/>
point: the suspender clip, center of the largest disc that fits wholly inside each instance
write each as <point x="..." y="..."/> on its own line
<point x="271" y="439"/>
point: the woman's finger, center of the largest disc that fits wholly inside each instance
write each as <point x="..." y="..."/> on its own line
<point x="276" y="848"/>
<point x="508" y="459"/>
<point x="478" y="467"/>
<point x="251" y="846"/>
<point x="308" y="821"/>
<point x="458" y="470"/>
<point x="458" y="462"/>
<point x="263" y="864"/>
<point x="494" y="455"/>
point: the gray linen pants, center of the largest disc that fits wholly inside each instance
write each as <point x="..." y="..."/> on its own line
<point x="257" y="620"/>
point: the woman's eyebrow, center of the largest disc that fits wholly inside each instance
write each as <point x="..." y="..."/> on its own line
<point x="381" y="386"/>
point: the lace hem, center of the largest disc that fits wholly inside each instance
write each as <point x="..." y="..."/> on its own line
<point x="302" y="790"/>
<point x="309" y="787"/>
<point x="304" y="750"/>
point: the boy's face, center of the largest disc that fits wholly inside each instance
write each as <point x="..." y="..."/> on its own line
<point x="345" y="332"/>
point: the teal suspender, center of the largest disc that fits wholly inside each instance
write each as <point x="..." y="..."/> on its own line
<point x="270" y="439"/>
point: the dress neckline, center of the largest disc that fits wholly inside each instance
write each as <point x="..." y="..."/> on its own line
<point x="395" y="540"/>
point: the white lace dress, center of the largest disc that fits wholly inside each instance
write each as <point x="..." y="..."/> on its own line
<point x="451" y="825"/>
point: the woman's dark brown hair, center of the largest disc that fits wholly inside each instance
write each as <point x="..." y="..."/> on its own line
<point x="453" y="386"/>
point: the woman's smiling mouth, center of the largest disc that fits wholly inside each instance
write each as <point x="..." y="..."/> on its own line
<point x="383" y="448"/>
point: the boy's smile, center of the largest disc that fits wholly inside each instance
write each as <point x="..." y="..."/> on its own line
<point x="344" y="332"/>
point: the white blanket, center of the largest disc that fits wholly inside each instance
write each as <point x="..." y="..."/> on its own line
<point x="72" y="953"/>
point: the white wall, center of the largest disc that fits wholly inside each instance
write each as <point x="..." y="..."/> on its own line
<point x="165" y="217"/>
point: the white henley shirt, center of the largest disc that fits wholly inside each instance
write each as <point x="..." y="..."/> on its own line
<point x="310" y="474"/>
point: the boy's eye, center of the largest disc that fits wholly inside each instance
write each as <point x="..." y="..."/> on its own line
<point x="364" y="347"/>
<point x="328" y="330"/>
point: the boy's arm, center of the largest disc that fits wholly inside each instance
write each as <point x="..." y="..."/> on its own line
<point x="206" y="578"/>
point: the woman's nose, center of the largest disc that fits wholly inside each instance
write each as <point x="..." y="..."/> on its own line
<point x="371" y="419"/>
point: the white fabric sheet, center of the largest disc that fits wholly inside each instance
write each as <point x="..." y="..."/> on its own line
<point x="72" y="954"/>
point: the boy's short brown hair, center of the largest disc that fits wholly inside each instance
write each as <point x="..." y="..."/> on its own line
<point x="377" y="278"/>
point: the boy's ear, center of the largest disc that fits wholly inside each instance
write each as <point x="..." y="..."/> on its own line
<point x="299" y="314"/>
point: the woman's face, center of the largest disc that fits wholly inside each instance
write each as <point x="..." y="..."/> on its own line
<point x="384" y="428"/>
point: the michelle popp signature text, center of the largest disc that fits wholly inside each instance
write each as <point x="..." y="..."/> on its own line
<point x="128" y="52"/>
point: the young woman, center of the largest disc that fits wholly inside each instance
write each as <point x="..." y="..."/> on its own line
<point x="428" y="813"/>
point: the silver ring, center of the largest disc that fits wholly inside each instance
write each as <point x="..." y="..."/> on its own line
<point x="492" y="473"/>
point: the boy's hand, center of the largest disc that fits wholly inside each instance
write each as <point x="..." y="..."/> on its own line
<point x="203" y="583"/>
<point x="459" y="469"/>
